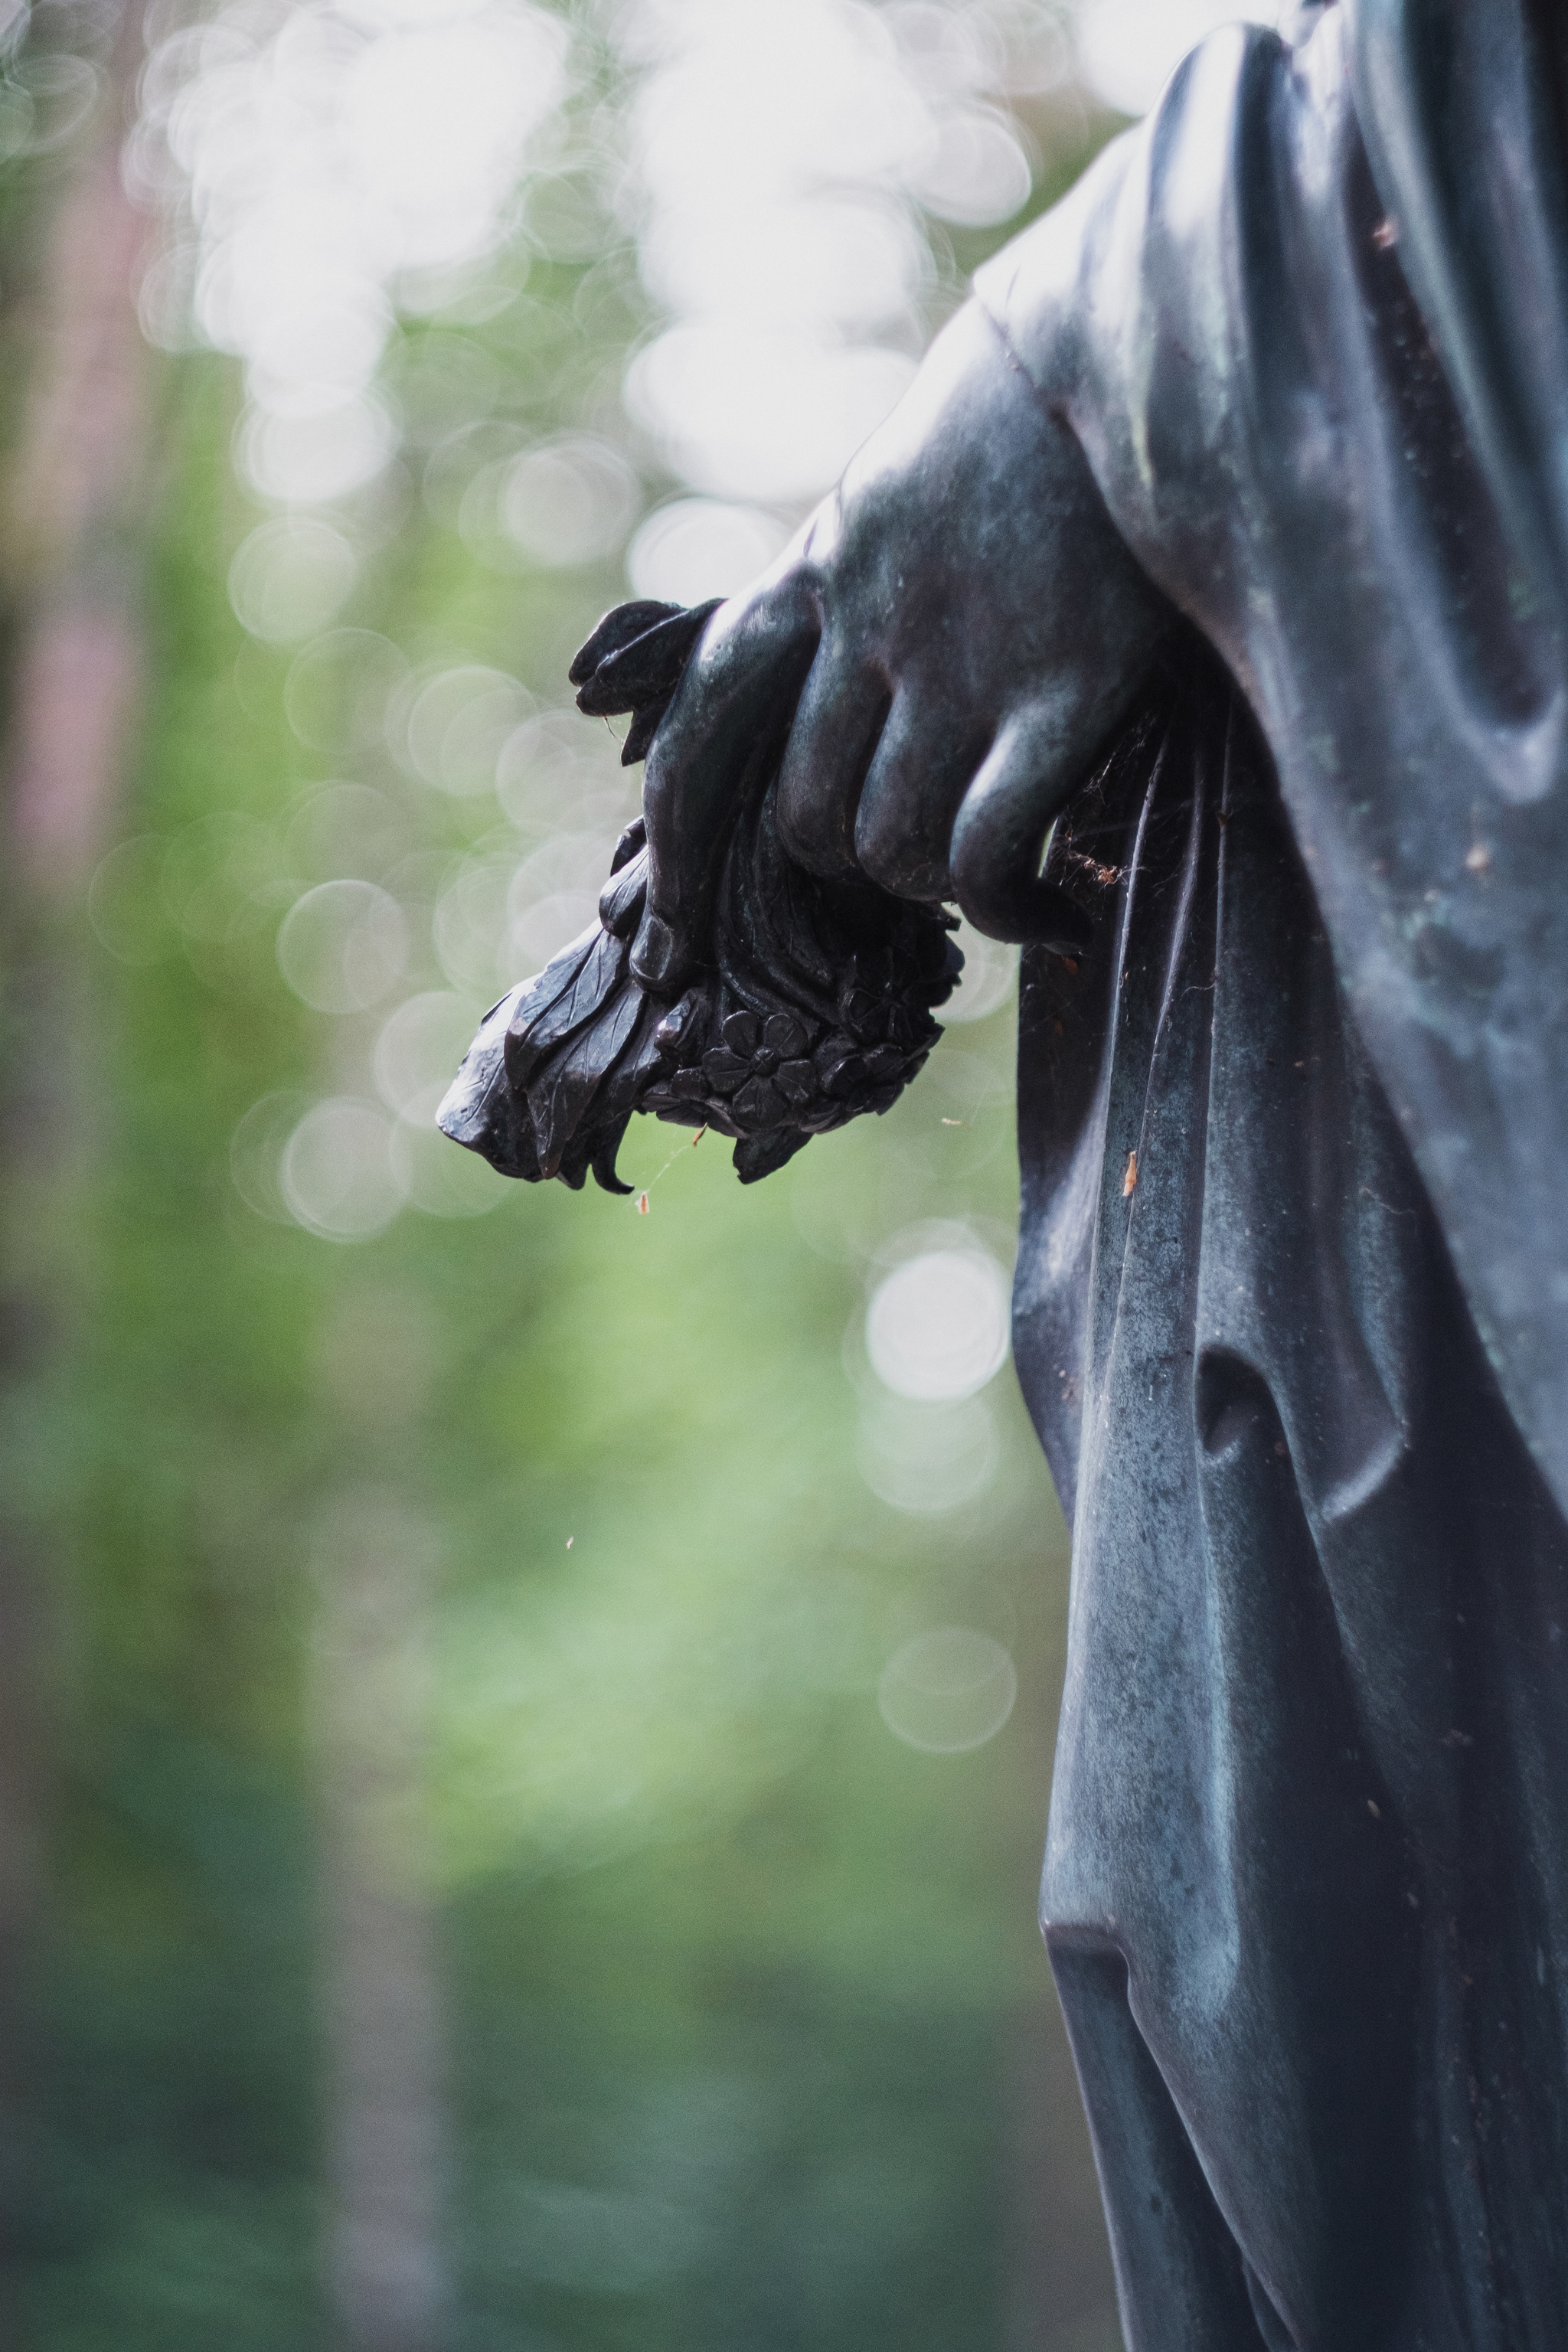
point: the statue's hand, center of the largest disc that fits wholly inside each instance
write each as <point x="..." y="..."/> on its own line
<point x="959" y="629"/>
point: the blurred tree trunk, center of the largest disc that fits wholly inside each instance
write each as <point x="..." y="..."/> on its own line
<point x="380" y="1968"/>
<point x="69" y="665"/>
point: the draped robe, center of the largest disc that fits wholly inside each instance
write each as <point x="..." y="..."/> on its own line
<point x="1291" y="1309"/>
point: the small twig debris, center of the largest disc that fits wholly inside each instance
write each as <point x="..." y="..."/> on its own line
<point x="642" y="1197"/>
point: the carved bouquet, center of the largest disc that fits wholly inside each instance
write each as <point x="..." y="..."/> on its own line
<point x="814" y="1003"/>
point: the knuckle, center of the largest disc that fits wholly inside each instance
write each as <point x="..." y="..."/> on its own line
<point x="900" y="843"/>
<point x="812" y="821"/>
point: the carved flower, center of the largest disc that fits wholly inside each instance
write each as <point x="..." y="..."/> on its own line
<point x="815" y="1006"/>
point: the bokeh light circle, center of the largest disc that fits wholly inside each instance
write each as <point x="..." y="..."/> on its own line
<point x="926" y="1458"/>
<point x="325" y="454"/>
<point x="948" y="1690"/>
<point x="345" y="832"/>
<point x="979" y="174"/>
<point x="747" y="413"/>
<point x="989" y="977"/>
<point x="256" y="1152"/>
<point x="288" y="578"/>
<point x="441" y="1177"/>
<point x="342" y="945"/>
<point x="418" y="1050"/>
<point x="469" y="926"/>
<point x="339" y="686"/>
<point x="336" y="1173"/>
<point x="1128" y="50"/>
<point x="569" y="501"/>
<point x="459" y="722"/>
<point x="937" y="1325"/>
<point x="696" y="548"/>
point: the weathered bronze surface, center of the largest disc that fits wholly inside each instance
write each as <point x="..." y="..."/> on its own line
<point x="1225" y="531"/>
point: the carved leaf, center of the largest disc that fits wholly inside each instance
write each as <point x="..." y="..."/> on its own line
<point x="816" y="1005"/>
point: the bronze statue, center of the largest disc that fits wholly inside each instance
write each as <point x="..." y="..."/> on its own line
<point x="1218" y="557"/>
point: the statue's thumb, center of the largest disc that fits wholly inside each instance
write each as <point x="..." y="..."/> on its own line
<point x="715" y="745"/>
<point x="661" y="954"/>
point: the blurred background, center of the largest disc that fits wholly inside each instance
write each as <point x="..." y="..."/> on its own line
<point x="524" y="1724"/>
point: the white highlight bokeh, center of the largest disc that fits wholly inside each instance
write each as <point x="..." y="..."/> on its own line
<point x="341" y="830"/>
<point x="948" y="1690"/>
<point x="782" y="150"/>
<point x="418" y="1050"/>
<point x="557" y="772"/>
<point x="341" y="946"/>
<point x="322" y="454"/>
<point x="937" y="1325"/>
<point x="569" y="501"/>
<point x="696" y="548"/>
<point x="552" y="896"/>
<point x="458" y="722"/>
<point x="441" y="1177"/>
<point x="471" y="923"/>
<point x="978" y="174"/>
<point x="327" y="161"/>
<point x="255" y="1151"/>
<point x="289" y="578"/>
<point x="989" y="978"/>
<point x="820" y="260"/>
<point x="926" y="1458"/>
<point x="1128" y="50"/>
<point x="745" y="412"/>
<point x="336" y="1175"/>
<point x="339" y="689"/>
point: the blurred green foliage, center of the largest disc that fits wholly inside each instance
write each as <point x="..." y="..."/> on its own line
<point x="746" y="2035"/>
